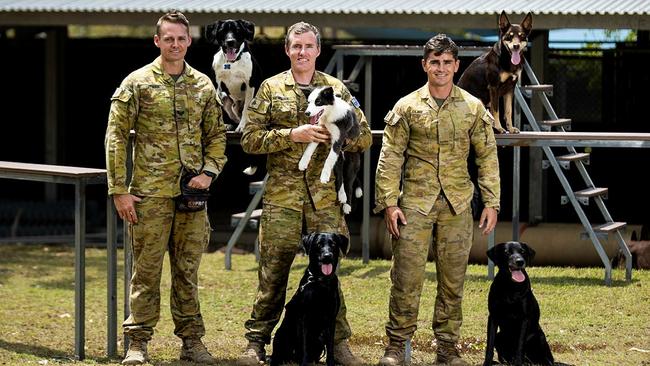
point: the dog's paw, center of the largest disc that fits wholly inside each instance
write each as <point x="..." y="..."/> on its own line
<point x="303" y="164"/>
<point x="324" y="177"/>
<point x="358" y="192"/>
<point x="347" y="208"/>
<point x="513" y="130"/>
<point x="240" y="127"/>
<point x="343" y="198"/>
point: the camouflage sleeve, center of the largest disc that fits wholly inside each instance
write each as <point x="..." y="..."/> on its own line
<point x="214" y="135"/>
<point x="364" y="140"/>
<point x="121" y="119"/>
<point x="391" y="160"/>
<point x="487" y="160"/>
<point x="257" y="138"/>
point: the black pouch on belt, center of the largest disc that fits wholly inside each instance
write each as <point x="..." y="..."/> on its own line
<point x="191" y="199"/>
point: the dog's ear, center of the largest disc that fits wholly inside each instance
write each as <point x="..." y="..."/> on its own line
<point x="527" y="23"/>
<point x="530" y="253"/>
<point x="504" y="23"/>
<point x="307" y="241"/>
<point x="210" y="32"/>
<point x="249" y="29"/>
<point x="327" y="93"/>
<point x="343" y="243"/>
<point x="494" y="253"/>
<point x="633" y="237"/>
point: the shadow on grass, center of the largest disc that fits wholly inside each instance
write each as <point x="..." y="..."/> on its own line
<point x="31" y="349"/>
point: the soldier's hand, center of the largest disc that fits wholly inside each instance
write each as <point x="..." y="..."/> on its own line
<point x="488" y="220"/>
<point x="310" y="133"/>
<point x="201" y="181"/>
<point x="391" y="215"/>
<point x="125" y="206"/>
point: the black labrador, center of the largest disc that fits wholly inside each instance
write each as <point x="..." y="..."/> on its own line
<point x="514" y="311"/>
<point x="310" y="316"/>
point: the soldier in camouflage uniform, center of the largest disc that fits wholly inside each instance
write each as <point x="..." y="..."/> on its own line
<point x="295" y="202"/>
<point x="427" y="138"/>
<point x="174" y="112"/>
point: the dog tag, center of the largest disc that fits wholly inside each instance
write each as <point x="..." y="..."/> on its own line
<point x="226" y="66"/>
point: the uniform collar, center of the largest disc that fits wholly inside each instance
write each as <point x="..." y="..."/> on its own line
<point x="188" y="71"/>
<point x="316" y="80"/>
<point x="423" y="94"/>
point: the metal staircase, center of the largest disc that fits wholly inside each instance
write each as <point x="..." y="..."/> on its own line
<point x="579" y="197"/>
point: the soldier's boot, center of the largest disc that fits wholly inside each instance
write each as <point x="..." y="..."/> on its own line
<point x="195" y="351"/>
<point x="393" y="355"/>
<point x="343" y="354"/>
<point x="447" y="354"/>
<point x="136" y="354"/>
<point x="253" y="355"/>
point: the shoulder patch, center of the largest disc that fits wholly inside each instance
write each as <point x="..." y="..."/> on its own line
<point x="355" y="102"/>
<point x="392" y="118"/>
<point x="258" y="105"/>
<point x="122" y="94"/>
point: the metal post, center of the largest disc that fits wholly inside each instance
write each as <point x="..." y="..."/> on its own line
<point x="111" y="254"/>
<point x="128" y="269"/>
<point x="80" y="265"/>
<point x="365" y="223"/>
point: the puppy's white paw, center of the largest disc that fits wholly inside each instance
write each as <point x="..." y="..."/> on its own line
<point x="358" y="192"/>
<point x="324" y="177"/>
<point x="303" y="164"/>
<point x="240" y="127"/>
<point x="343" y="198"/>
<point x="347" y="208"/>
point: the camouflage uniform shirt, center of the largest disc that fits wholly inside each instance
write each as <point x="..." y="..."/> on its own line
<point x="278" y="107"/>
<point x="177" y="124"/>
<point x="430" y="144"/>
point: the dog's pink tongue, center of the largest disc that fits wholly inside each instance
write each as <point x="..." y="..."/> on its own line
<point x="326" y="269"/>
<point x="313" y="119"/>
<point x="517" y="276"/>
<point x="231" y="55"/>
<point x="515" y="58"/>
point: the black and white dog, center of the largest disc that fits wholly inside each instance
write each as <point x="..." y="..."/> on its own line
<point x="310" y="316"/>
<point x="236" y="71"/>
<point x="335" y="114"/>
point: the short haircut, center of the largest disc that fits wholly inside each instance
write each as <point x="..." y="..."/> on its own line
<point x="300" y="28"/>
<point x="173" y="16"/>
<point x="440" y="44"/>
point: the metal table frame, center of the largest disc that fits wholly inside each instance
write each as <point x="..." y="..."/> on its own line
<point x="80" y="178"/>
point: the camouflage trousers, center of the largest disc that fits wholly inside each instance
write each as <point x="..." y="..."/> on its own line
<point x="184" y="235"/>
<point x="280" y="236"/>
<point x="452" y="240"/>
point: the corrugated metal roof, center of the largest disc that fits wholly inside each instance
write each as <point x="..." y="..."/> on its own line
<point x="421" y="7"/>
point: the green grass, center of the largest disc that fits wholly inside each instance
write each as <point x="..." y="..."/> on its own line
<point x="585" y="322"/>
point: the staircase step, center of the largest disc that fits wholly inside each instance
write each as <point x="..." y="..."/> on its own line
<point x="591" y="192"/>
<point x="556" y="122"/>
<point x="252" y="221"/>
<point x="609" y="227"/>
<point x="546" y="88"/>
<point x="255" y="187"/>
<point x="574" y="157"/>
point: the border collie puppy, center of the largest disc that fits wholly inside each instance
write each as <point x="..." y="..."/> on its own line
<point x="335" y="114"/>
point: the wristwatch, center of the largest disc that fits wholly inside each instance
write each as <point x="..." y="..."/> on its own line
<point x="209" y="174"/>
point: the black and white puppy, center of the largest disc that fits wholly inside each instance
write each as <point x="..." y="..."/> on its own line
<point x="514" y="311"/>
<point x="310" y="316"/>
<point x="335" y="114"/>
<point x="235" y="69"/>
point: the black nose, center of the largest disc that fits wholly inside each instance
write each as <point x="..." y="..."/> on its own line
<point x="230" y="42"/>
<point x="516" y="46"/>
<point x="520" y="262"/>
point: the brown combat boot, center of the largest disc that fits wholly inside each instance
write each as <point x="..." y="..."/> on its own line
<point x="343" y="354"/>
<point x="393" y="355"/>
<point x="254" y="355"/>
<point x="447" y="354"/>
<point x="136" y="354"/>
<point x="195" y="351"/>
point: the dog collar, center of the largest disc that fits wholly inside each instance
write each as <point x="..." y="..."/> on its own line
<point x="311" y="279"/>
